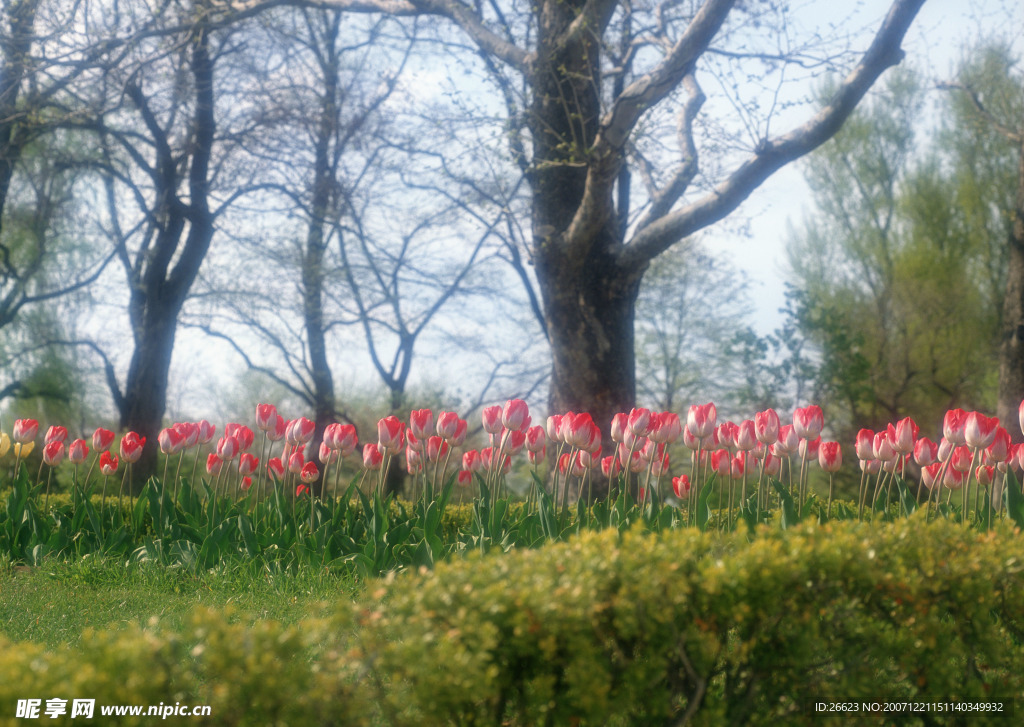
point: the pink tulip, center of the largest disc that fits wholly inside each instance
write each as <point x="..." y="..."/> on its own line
<point x="299" y="431"/>
<point x="421" y="423"/>
<point x="108" y="463"/>
<point x="465" y="478"/>
<point x="78" y="451"/>
<point x="766" y="426"/>
<point x="390" y="434"/>
<point x="573" y="466"/>
<point x="278" y="430"/>
<point x="953" y="426"/>
<point x="808" y="422"/>
<point x="372" y="457"/>
<point x="451" y="428"/>
<point x="189" y="431"/>
<point x="581" y="432"/>
<point x="808" y="449"/>
<point x="309" y="472"/>
<point x="437" y="448"/>
<point x="471" y="461"/>
<point x="882" y="447"/>
<point x="721" y="462"/>
<point x="979" y="430"/>
<point x="904" y="435"/>
<point x="515" y="416"/>
<point x="954" y="478"/>
<point x="275" y="467"/>
<point x="929" y="473"/>
<point x="871" y="466"/>
<point x="55" y="434"/>
<point x="102" y="439"/>
<point x="131" y="447"/>
<point x="491" y="417"/>
<point x="619" y="423"/>
<point x="788" y="441"/>
<point x="665" y="427"/>
<point x="302" y="489"/>
<point x="515" y="440"/>
<point x="610" y="467"/>
<point x="553" y="428"/>
<point x="961" y="461"/>
<point x="296" y="461"/>
<point x="925" y="451"/>
<point x="999" y="451"/>
<point x="725" y="435"/>
<point x="248" y="463"/>
<point x="700" y="420"/>
<point x="266" y="417"/>
<point x="638" y="422"/>
<point x="830" y="456"/>
<point x="213" y="464"/>
<point x="206" y="431"/>
<point x="486" y="456"/>
<point x="535" y="439"/>
<point x="53" y="453"/>
<point x="171" y="441"/>
<point x="746" y="437"/>
<point x="738" y="465"/>
<point x="227" y="448"/>
<point x="864" y="446"/>
<point x="346" y="439"/>
<point x="25" y="430"/>
<point x="246" y="437"/>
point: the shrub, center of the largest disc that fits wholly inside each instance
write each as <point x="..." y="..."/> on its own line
<point x="647" y="629"/>
<point x="607" y="628"/>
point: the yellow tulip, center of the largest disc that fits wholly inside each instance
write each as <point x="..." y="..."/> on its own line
<point x="24" y="450"/>
<point x="5" y="443"/>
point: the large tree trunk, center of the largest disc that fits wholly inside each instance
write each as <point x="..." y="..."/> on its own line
<point x="1011" y="352"/>
<point x="588" y="301"/>
<point x="145" y="395"/>
<point x="158" y="289"/>
<point x="14" y="48"/>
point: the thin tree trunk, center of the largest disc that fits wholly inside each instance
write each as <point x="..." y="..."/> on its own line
<point x="1011" y="352"/>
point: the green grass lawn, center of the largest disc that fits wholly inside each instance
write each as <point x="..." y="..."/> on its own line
<point x="52" y="604"/>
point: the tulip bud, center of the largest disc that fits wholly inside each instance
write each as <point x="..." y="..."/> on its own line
<point x="372" y="457"/>
<point x="53" y="453"/>
<point x="78" y="451"/>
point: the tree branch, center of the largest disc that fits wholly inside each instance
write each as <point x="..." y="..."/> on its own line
<point x="772" y="155"/>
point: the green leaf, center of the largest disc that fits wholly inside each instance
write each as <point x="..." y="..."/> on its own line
<point x="908" y="503"/>
<point x="252" y="547"/>
<point x="789" y="513"/>
<point x="1013" y="499"/>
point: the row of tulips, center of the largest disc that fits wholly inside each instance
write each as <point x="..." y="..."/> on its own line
<point x="758" y="468"/>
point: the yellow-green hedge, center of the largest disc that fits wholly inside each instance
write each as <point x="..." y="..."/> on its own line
<point x="606" y="629"/>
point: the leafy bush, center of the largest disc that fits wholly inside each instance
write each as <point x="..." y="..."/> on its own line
<point x="647" y="629"/>
<point x="610" y="627"/>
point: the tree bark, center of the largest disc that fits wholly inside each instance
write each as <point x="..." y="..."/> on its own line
<point x="158" y="289"/>
<point x="588" y="274"/>
<point x="14" y="47"/>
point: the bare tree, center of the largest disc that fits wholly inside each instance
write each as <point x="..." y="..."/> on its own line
<point x="168" y="176"/>
<point x="596" y="72"/>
